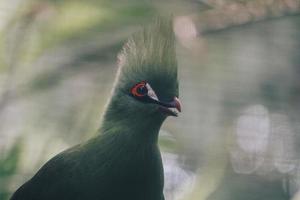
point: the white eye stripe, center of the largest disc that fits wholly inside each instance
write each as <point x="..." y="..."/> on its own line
<point x="151" y="92"/>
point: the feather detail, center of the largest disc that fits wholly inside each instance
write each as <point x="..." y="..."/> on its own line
<point x="149" y="55"/>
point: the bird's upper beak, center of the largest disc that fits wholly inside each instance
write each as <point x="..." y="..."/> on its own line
<point x="170" y="108"/>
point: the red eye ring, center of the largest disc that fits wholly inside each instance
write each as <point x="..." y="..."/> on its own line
<point x="139" y="89"/>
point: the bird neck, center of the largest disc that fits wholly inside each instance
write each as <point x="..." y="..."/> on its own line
<point x="133" y="126"/>
<point x="135" y="134"/>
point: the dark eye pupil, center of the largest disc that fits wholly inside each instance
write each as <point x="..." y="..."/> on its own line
<point x="142" y="90"/>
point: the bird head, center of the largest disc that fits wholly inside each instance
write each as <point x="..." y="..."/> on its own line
<point x="147" y="83"/>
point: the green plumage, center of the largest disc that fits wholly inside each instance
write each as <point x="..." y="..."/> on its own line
<point x="150" y="55"/>
<point x="123" y="161"/>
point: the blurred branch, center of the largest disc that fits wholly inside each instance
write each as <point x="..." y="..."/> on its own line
<point x="234" y="13"/>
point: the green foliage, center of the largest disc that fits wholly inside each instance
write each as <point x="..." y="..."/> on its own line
<point x="74" y="20"/>
<point x="8" y="167"/>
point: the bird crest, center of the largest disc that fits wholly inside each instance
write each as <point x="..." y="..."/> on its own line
<point x="149" y="55"/>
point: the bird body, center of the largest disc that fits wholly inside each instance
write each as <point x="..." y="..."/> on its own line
<point x="128" y="170"/>
<point x="123" y="161"/>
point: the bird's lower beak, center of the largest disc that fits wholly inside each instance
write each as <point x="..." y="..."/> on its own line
<point x="171" y="108"/>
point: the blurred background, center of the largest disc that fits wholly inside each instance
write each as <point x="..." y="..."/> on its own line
<point x="238" y="136"/>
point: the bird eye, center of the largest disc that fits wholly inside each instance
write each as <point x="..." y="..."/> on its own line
<point x="139" y="90"/>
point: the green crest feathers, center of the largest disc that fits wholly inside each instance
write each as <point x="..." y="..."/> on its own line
<point x="149" y="55"/>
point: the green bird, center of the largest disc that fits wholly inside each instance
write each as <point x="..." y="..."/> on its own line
<point x="123" y="161"/>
